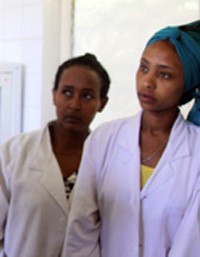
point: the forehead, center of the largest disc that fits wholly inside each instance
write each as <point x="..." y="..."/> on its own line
<point x="162" y="53"/>
<point x="81" y="75"/>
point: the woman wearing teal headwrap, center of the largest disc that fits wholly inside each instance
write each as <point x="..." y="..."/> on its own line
<point x="138" y="188"/>
<point x="186" y="40"/>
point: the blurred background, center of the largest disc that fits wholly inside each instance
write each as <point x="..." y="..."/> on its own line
<point x="38" y="35"/>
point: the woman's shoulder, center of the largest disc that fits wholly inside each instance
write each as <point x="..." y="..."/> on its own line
<point x="192" y="128"/>
<point x="116" y="130"/>
<point x="21" y="142"/>
<point x="117" y="124"/>
<point x="20" y="139"/>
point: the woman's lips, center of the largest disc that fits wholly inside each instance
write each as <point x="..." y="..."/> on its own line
<point x="145" y="98"/>
<point x="72" y="119"/>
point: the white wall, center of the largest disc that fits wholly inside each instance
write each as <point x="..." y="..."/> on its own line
<point x="57" y="47"/>
<point x="10" y="101"/>
<point x="37" y="34"/>
<point x="21" y="36"/>
<point x="116" y="32"/>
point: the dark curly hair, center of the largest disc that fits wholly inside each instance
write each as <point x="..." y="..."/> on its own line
<point x="90" y="61"/>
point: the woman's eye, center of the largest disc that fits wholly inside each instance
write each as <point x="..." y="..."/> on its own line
<point x="67" y="92"/>
<point x="165" y="75"/>
<point x="88" y="96"/>
<point x="143" y="68"/>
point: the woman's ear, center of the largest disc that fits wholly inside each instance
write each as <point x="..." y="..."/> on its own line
<point x="103" y="103"/>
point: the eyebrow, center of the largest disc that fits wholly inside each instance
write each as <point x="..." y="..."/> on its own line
<point x="163" y="66"/>
<point x="68" y="86"/>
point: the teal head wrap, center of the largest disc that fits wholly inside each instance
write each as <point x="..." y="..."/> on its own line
<point x="186" y="40"/>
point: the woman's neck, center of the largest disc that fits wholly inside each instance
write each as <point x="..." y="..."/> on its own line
<point x="66" y="142"/>
<point x="154" y="135"/>
<point x="158" y="122"/>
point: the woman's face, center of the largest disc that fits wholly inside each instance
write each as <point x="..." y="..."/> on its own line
<point x="77" y="98"/>
<point x="160" y="78"/>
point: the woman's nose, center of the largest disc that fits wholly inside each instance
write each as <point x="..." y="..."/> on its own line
<point x="149" y="82"/>
<point x="75" y="102"/>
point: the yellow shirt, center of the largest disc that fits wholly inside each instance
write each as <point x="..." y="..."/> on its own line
<point x="146" y="172"/>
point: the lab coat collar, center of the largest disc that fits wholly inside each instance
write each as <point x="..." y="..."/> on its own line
<point x="178" y="140"/>
<point x="129" y="141"/>
<point x="50" y="175"/>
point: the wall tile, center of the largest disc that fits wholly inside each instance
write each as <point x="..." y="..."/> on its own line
<point x="2" y="3"/>
<point x="13" y="3"/>
<point x="32" y="92"/>
<point x="32" y="55"/>
<point x="32" y="119"/>
<point x="32" y="22"/>
<point x="13" y="23"/>
<point x="33" y="1"/>
<point x="13" y="51"/>
<point x="21" y="26"/>
<point x="2" y="51"/>
<point x="2" y="23"/>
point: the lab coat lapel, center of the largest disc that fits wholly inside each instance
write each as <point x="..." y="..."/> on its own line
<point x="45" y="164"/>
<point x="129" y="138"/>
<point x="130" y="155"/>
<point x="176" y="148"/>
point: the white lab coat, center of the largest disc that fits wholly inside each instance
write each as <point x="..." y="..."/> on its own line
<point x="187" y="241"/>
<point x="110" y="216"/>
<point x="33" y="205"/>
